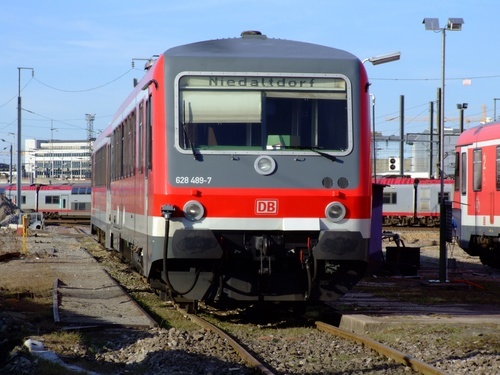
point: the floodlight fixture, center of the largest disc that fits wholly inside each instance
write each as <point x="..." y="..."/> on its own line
<point x="382" y="59"/>
<point x="431" y="23"/>
<point x="455" y="24"/>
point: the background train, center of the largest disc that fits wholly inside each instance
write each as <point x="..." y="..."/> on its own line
<point x="239" y="170"/>
<point x="54" y="201"/>
<point x="413" y="201"/>
<point x="476" y="200"/>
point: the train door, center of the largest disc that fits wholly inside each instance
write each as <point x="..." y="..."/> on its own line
<point x="462" y="193"/>
<point x="63" y="205"/>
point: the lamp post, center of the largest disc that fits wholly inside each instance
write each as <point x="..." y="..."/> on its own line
<point x="453" y="24"/>
<point x="376" y="60"/>
<point x="19" y="168"/>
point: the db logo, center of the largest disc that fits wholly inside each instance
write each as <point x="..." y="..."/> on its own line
<point x="266" y="206"/>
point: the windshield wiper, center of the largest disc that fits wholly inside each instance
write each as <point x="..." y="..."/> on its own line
<point x="313" y="149"/>
<point x="186" y="136"/>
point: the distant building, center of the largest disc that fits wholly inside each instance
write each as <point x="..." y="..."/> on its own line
<point x="56" y="160"/>
<point x="420" y="154"/>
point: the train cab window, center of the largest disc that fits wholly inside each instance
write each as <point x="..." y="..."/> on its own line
<point x="477" y="169"/>
<point x="282" y="114"/>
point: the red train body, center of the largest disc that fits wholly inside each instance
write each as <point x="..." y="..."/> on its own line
<point x="476" y="200"/>
<point x="239" y="170"/>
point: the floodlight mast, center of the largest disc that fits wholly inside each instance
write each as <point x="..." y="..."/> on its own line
<point x="454" y="24"/>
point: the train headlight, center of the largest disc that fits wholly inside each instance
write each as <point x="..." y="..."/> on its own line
<point x="193" y="210"/>
<point x="264" y="165"/>
<point x="335" y="211"/>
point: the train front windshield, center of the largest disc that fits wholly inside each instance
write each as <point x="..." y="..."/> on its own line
<point x="239" y="113"/>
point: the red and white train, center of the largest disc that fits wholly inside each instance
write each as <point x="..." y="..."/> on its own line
<point x="476" y="199"/>
<point x="239" y="170"/>
<point x="413" y="201"/>
<point x="54" y="201"/>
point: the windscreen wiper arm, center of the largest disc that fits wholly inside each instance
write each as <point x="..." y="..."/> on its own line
<point x="313" y="149"/>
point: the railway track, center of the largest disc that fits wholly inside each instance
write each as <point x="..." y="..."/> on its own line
<point x="264" y="362"/>
<point x="277" y="351"/>
<point x="260" y="355"/>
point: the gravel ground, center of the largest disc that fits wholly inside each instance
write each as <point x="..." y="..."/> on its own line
<point x="455" y="349"/>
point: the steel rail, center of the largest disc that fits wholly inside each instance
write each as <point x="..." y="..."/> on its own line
<point x="380" y="348"/>
<point x="242" y="352"/>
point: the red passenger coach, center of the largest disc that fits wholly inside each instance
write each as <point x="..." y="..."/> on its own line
<point x="239" y="170"/>
<point x="476" y="202"/>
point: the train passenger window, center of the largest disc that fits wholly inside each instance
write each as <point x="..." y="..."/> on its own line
<point x="390" y="198"/>
<point x="477" y="170"/>
<point x="463" y="173"/>
<point x="497" y="177"/>
<point x="252" y="113"/>
<point x="52" y="199"/>
<point x="456" y="185"/>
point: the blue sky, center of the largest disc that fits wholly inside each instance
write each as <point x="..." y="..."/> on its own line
<point x="81" y="53"/>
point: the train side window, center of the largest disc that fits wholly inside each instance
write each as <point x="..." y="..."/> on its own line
<point x="52" y="199"/>
<point x="140" y="139"/>
<point x="463" y="174"/>
<point x="149" y="135"/>
<point x="390" y="198"/>
<point x="497" y="177"/>
<point x="477" y="169"/>
<point x="457" y="171"/>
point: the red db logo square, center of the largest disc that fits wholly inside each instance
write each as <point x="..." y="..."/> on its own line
<point x="266" y="206"/>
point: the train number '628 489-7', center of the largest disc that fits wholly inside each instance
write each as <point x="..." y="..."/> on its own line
<point x="193" y="180"/>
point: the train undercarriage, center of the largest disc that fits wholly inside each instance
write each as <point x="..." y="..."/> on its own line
<point x="487" y="248"/>
<point x="223" y="269"/>
<point x="408" y="221"/>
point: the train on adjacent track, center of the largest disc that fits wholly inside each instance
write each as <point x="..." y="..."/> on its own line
<point x="54" y="201"/>
<point x="476" y="199"/>
<point x="239" y="170"/>
<point x="413" y="201"/>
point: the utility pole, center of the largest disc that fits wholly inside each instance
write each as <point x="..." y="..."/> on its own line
<point x="19" y="167"/>
<point x="90" y="136"/>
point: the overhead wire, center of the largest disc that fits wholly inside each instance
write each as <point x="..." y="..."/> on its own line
<point x="83" y="90"/>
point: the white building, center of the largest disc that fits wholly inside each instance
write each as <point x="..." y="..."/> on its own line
<point x="56" y="160"/>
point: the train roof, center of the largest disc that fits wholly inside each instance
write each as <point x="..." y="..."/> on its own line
<point x="11" y="187"/>
<point x="484" y="132"/>
<point x="254" y="45"/>
<point x="411" y="181"/>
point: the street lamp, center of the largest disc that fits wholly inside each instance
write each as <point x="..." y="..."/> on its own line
<point x="376" y="60"/>
<point x="453" y="24"/>
<point x="382" y="59"/>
